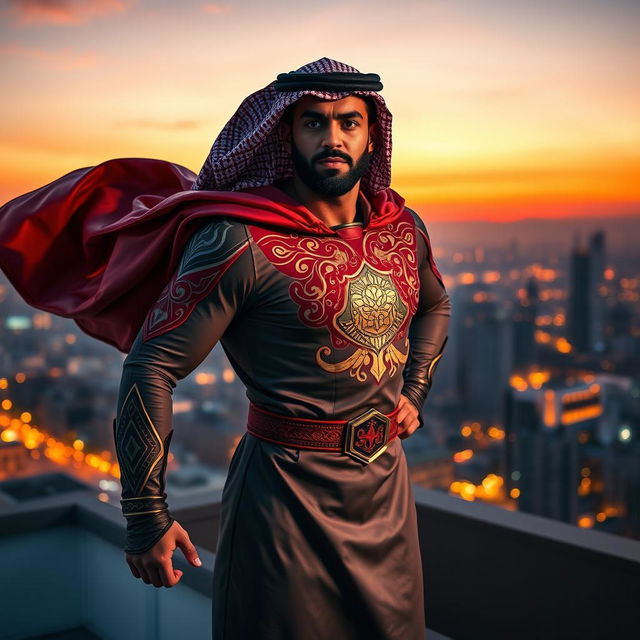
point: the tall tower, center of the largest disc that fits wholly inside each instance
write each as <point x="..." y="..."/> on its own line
<point x="597" y="291"/>
<point x="483" y="332"/>
<point x="525" y="349"/>
<point x="579" y="300"/>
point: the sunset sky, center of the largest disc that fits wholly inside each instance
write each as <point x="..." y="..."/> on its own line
<point x="502" y="108"/>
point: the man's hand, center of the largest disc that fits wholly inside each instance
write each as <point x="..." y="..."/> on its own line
<point x="154" y="566"/>
<point x="407" y="418"/>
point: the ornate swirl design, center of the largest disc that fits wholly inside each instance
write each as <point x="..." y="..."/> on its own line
<point x="394" y="248"/>
<point x="364" y="291"/>
<point x="320" y="267"/>
<point x="207" y="255"/>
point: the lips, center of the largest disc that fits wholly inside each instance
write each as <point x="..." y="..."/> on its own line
<point x="331" y="162"/>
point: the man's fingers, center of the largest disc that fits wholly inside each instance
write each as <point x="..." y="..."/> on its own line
<point x="144" y="575"/>
<point x="408" y="420"/>
<point x="155" y="566"/>
<point x="158" y="574"/>
<point x="168" y="574"/>
<point x="402" y="414"/>
<point x="134" y="569"/>
<point x="154" y="576"/>
<point x="408" y="414"/>
<point x="190" y="553"/>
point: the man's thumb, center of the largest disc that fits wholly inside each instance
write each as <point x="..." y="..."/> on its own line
<point x="188" y="549"/>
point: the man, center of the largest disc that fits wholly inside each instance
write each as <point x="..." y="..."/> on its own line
<point x="322" y="289"/>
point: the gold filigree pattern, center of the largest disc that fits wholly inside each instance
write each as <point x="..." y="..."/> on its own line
<point x="364" y="291"/>
<point x="373" y="309"/>
<point x="371" y="318"/>
<point x="393" y="249"/>
<point x="362" y="359"/>
<point x="320" y="267"/>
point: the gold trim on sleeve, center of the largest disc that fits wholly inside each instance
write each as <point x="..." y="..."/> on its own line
<point x="140" y="513"/>
<point x="134" y="386"/>
<point x="431" y="365"/>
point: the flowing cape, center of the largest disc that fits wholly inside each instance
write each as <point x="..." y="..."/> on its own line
<point x="99" y="244"/>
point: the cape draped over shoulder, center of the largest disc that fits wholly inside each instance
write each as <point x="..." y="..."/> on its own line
<point x="99" y="244"/>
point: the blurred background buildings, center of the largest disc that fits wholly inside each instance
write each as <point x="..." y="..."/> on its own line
<point x="535" y="405"/>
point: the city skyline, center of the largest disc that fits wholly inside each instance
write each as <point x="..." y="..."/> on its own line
<point x="519" y="326"/>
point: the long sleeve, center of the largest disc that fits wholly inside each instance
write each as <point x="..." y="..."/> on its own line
<point x="429" y="327"/>
<point x="209" y="289"/>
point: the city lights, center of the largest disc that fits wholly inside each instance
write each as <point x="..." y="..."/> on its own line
<point x="624" y="435"/>
<point x="463" y="456"/>
<point x="37" y="441"/>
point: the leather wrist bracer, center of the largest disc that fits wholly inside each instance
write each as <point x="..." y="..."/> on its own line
<point x="418" y="384"/>
<point x="142" y="456"/>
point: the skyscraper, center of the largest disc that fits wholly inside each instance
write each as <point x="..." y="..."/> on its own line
<point x="552" y="456"/>
<point x="586" y="306"/>
<point x="525" y="348"/>
<point x="483" y="332"/>
<point x="578" y="303"/>
<point x="597" y="301"/>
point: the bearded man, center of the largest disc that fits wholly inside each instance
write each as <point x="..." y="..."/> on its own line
<point x="291" y="249"/>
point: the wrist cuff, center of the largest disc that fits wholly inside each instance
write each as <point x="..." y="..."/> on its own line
<point x="144" y="531"/>
<point x="143" y="505"/>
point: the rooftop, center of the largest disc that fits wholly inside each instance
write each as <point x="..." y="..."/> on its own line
<point x="489" y="573"/>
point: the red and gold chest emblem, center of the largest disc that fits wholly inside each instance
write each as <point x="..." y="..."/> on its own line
<point x="363" y="290"/>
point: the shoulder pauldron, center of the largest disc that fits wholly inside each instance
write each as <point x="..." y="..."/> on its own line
<point x="207" y="255"/>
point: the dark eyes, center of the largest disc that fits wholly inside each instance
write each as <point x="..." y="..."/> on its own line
<point x="316" y="124"/>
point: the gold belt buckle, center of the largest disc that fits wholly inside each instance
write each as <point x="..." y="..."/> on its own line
<point x="366" y="435"/>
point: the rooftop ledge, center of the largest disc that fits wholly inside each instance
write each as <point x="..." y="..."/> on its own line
<point x="489" y="573"/>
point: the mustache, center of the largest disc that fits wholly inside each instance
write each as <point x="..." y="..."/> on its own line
<point x="329" y="153"/>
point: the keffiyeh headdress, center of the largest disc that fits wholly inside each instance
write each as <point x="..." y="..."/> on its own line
<point x="249" y="151"/>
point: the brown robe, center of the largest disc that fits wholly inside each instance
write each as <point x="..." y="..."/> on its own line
<point x="313" y="545"/>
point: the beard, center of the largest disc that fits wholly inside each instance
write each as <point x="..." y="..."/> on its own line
<point x="330" y="183"/>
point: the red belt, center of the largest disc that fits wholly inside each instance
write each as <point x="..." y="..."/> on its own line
<point x="364" y="437"/>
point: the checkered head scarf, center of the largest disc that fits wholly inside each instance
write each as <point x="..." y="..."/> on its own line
<point x="249" y="152"/>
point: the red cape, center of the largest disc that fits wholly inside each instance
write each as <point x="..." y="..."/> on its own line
<point x="99" y="244"/>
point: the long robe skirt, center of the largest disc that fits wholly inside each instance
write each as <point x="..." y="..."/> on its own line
<point x="315" y="545"/>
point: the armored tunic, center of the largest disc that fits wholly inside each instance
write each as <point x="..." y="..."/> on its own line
<point x="313" y="545"/>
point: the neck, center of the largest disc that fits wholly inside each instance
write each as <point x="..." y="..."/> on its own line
<point x="332" y="211"/>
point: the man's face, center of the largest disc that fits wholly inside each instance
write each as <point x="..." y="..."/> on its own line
<point x="330" y="143"/>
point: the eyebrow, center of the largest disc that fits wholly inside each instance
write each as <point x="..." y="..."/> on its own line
<point x="320" y="116"/>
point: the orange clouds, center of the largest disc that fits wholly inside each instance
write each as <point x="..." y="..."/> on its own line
<point x="501" y="109"/>
<point x="26" y="12"/>
<point x="60" y="60"/>
<point x="216" y="9"/>
<point x="173" y="125"/>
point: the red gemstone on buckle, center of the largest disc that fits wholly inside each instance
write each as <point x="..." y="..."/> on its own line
<point x="366" y="435"/>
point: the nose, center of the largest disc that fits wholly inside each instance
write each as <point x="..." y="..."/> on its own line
<point x="331" y="139"/>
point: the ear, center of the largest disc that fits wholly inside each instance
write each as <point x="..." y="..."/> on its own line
<point x="374" y="136"/>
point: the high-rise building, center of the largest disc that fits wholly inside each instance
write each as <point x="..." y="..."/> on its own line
<point x="586" y="308"/>
<point x="525" y="348"/>
<point x="483" y="333"/>
<point x="578" y="304"/>
<point x="554" y="458"/>
<point x="597" y="292"/>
